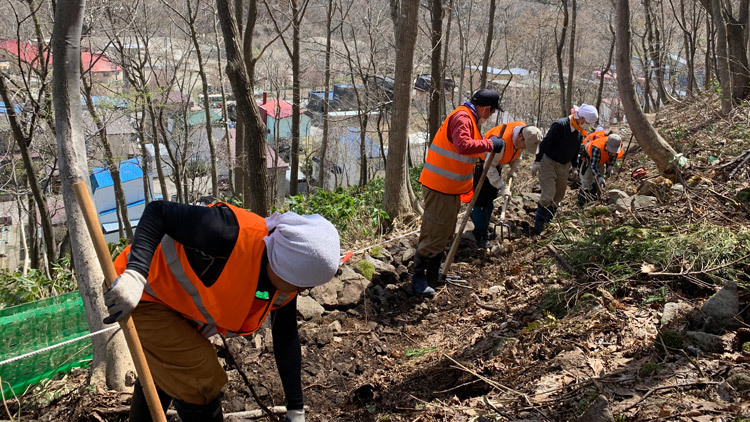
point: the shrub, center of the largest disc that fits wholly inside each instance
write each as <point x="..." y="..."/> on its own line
<point x="16" y="288"/>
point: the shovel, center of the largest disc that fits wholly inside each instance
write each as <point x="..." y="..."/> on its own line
<point x="128" y="328"/>
<point x="504" y="227"/>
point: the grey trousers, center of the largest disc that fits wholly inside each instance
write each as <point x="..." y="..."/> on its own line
<point x="438" y="222"/>
<point x="553" y="180"/>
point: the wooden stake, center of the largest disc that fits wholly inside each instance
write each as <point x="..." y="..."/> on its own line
<point x="128" y="328"/>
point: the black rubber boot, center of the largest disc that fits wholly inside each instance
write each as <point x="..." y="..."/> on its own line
<point x="139" y="411"/>
<point x="433" y="270"/>
<point x="190" y="412"/>
<point x="543" y="216"/>
<point x="418" y="280"/>
<point x="581" y="198"/>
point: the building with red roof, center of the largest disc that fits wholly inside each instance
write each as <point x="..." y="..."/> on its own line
<point x="277" y="115"/>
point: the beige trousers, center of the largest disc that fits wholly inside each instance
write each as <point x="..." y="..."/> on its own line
<point x="438" y="221"/>
<point x="553" y="180"/>
<point x="182" y="362"/>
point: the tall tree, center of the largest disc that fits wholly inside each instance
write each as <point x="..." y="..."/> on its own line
<point x="297" y="14"/>
<point x="190" y="17"/>
<point x="560" y="37"/>
<point x="111" y="361"/>
<point x="256" y="192"/>
<point x="323" y="166"/>
<point x="488" y="44"/>
<point x="437" y="70"/>
<point x="652" y="143"/>
<point x="398" y="198"/>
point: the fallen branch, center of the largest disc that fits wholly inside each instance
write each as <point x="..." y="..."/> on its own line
<point x="742" y="164"/>
<point x="485" y="305"/>
<point x="668" y="387"/>
<point x="555" y="252"/>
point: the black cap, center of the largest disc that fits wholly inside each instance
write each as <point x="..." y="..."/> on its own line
<point x="486" y="97"/>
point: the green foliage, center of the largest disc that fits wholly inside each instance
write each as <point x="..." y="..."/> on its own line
<point x="649" y="368"/>
<point x="672" y="340"/>
<point x="116" y="248"/>
<point x="589" y="395"/>
<point x="622" y="249"/>
<point x="659" y="297"/>
<point x="746" y="347"/>
<point x="16" y="288"/>
<point x="598" y="211"/>
<point x="414" y="173"/>
<point x="548" y="320"/>
<point x="365" y="268"/>
<point x="376" y="251"/>
<point x="555" y="301"/>
<point x="356" y="212"/>
<point x="235" y="200"/>
<point x="417" y="352"/>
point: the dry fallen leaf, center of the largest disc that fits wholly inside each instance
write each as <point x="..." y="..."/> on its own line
<point x="647" y="268"/>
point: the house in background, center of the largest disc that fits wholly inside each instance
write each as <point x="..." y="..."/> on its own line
<point x="121" y="135"/>
<point x="277" y="115"/>
<point x="103" y="189"/>
<point x="275" y="166"/>
<point x="344" y="158"/>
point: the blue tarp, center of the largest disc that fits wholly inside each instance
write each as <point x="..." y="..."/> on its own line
<point x="129" y="170"/>
<point x="4" y="110"/>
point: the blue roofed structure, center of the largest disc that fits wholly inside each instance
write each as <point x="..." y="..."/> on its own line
<point x="129" y="170"/>
<point x="4" y="109"/>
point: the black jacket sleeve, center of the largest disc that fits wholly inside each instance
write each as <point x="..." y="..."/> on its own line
<point x="207" y="231"/>
<point x="286" y="351"/>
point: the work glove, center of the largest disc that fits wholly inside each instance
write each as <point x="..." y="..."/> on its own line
<point x="600" y="179"/>
<point x="497" y="144"/>
<point x="535" y="168"/>
<point x="505" y="192"/>
<point x="123" y="295"/>
<point x="609" y="170"/>
<point x="295" y="415"/>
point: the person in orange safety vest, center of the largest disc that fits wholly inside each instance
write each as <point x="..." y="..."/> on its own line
<point x="600" y="151"/>
<point x="192" y="272"/>
<point x="516" y="136"/>
<point x="448" y="172"/>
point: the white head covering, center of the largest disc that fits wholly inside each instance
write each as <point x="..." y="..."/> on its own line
<point x="588" y="112"/>
<point x="599" y="129"/>
<point x="303" y="250"/>
<point x="613" y="143"/>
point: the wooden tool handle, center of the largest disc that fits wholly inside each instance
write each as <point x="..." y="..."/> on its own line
<point x="457" y="239"/>
<point x="128" y="328"/>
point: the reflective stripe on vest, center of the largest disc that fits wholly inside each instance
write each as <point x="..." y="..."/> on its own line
<point x="445" y="169"/>
<point x="232" y="304"/>
<point x="505" y="131"/>
<point x="173" y="262"/>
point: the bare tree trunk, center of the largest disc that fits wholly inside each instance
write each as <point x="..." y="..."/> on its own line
<point x="397" y="201"/>
<point x="571" y="56"/>
<point x="224" y="108"/>
<point x="111" y="363"/>
<point x="157" y="150"/>
<point x="709" y="49"/>
<point x="436" y="72"/>
<point x="443" y="112"/>
<point x="23" y="142"/>
<point x="322" y="171"/>
<point x="645" y="134"/>
<point x="255" y="129"/>
<point x="488" y="45"/>
<point x="112" y="164"/>
<point x="604" y="71"/>
<point x="559" y="58"/>
<point x="722" y="54"/>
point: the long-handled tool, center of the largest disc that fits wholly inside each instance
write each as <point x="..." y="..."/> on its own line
<point x="506" y="199"/>
<point x="128" y="328"/>
<point x="457" y="238"/>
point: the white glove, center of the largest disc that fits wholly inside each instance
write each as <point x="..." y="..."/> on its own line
<point x="535" y="168"/>
<point x="505" y="191"/>
<point x="123" y="295"/>
<point x="295" y="415"/>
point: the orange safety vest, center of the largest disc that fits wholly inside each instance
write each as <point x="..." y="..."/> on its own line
<point x="231" y="305"/>
<point x="445" y="169"/>
<point x="510" y="152"/>
<point x="599" y="142"/>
